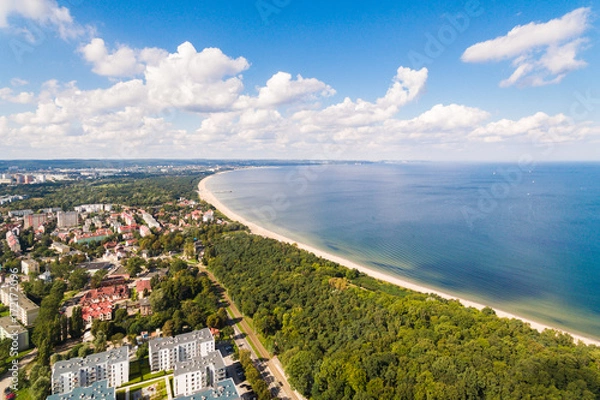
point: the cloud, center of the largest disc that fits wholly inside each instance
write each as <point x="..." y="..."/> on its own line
<point x="122" y="62"/>
<point x="44" y="12"/>
<point x="205" y="81"/>
<point x="15" y="82"/>
<point x="191" y="103"/>
<point x="281" y="89"/>
<point x="7" y="94"/>
<point x="541" y="53"/>
<point x="406" y="86"/>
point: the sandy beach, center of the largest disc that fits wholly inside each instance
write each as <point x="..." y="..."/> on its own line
<point x="208" y="196"/>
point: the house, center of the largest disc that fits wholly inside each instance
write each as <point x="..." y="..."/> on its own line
<point x="128" y="218"/>
<point x="145" y="307"/>
<point x="45" y="277"/>
<point x="196" y="215"/>
<point x="13" y="242"/>
<point x="92" y="267"/>
<point x="127" y="228"/>
<point x="98" y="303"/>
<point x="208" y="216"/>
<point x="97" y="236"/>
<point x="145" y="231"/>
<point x="141" y="285"/>
<point x="60" y="248"/>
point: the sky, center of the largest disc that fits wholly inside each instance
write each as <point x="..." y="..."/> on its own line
<point x="474" y="80"/>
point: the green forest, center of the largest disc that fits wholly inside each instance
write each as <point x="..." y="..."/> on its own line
<point x="343" y="335"/>
<point x="138" y="190"/>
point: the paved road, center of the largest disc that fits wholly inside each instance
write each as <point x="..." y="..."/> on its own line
<point x="270" y="367"/>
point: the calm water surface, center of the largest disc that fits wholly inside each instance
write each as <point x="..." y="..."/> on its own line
<point x="521" y="239"/>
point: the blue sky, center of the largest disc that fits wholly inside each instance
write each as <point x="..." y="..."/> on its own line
<point x="459" y="80"/>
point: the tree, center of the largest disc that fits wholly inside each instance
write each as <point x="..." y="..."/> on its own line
<point x="142" y="351"/>
<point x="97" y="278"/>
<point x="78" y="279"/>
<point x="100" y="342"/>
<point x="168" y="328"/>
<point x="76" y="325"/>
<point x="40" y="389"/>
<point x="44" y="352"/>
<point x="134" y="265"/>
<point x="64" y="322"/>
<point x="189" y="249"/>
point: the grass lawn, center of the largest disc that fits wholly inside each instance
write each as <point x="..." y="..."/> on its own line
<point x="139" y="371"/>
<point x="69" y="295"/>
<point x="23" y="394"/>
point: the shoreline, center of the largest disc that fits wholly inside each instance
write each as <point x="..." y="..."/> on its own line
<point x="209" y="197"/>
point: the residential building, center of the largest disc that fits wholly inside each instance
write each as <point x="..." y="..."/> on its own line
<point x="60" y="248"/>
<point x="29" y="265"/>
<point x="128" y="218"/>
<point x="19" y="213"/>
<point x="208" y="216"/>
<point x="111" y="366"/>
<point x="127" y="228"/>
<point x="141" y="285"/>
<point x="67" y="219"/>
<point x="20" y="306"/>
<point x="224" y="390"/>
<point x="149" y="219"/>
<point x="97" y="236"/>
<point x="165" y="352"/>
<point x="97" y="391"/>
<point x="46" y="276"/>
<point x="145" y="307"/>
<point x="13" y="242"/>
<point x="92" y="267"/>
<point x="145" y="231"/>
<point x="193" y="375"/>
<point x="11" y="329"/>
<point x="34" y="221"/>
<point x="91" y="208"/>
<point x="99" y="303"/>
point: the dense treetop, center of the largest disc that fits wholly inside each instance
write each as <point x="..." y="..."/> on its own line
<point x="342" y="335"/>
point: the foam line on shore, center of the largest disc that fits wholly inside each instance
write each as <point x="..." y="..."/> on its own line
<point x="209" y="197"/>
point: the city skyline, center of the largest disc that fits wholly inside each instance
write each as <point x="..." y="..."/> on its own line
<point x="472" y="81"/>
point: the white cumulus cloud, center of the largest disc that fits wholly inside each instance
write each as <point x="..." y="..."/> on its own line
<point x="541" y="53"/>
<point x="44" y="12"/>
<point x="122" y="62"/>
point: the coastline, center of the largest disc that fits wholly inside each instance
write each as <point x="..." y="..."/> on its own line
<point x="209" y="197"/>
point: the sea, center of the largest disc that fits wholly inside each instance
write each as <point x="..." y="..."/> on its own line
<point x="522" y="237"/>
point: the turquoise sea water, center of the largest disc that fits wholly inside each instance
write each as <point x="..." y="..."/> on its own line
<point x="524" y="238"/>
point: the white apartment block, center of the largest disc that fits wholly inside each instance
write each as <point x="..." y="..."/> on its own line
<point x="150" y="221"/>
<point x="111" y="366"/>
<point x="97" y="391"/>
<point x="19" y="305"/>
<point x="29" y="265"/>
<point x="13" y="330"/>
<point x="165" y="352"/>
<point x="194" y="375"/>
